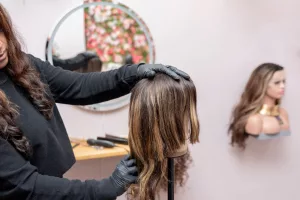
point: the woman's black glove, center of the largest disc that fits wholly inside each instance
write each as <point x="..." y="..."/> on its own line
<point x="149" y="71"/>
<point x="89" y="55"/>
<point x="125" y="174"/>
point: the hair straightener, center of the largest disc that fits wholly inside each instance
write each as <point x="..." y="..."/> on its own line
<point x="113" y="139"/>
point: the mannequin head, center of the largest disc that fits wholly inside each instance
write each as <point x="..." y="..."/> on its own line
<point x="276" y="87"/>
<point x="266" y="81"/>
<point x="266" y="85"/>
<point x="162" y="120"/>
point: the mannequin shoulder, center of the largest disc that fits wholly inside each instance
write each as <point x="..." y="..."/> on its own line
<point x="283" y="113"/>
<point x="254" y="124"/>
<point x="284" y="116"/>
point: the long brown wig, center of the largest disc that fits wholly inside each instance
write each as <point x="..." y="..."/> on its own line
<point x="251" y="101"/>
<point x="162" y="118"/>
<point x="20" y="69"/>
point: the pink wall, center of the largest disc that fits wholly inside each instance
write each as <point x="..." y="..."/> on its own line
<point x="218" y="43"/>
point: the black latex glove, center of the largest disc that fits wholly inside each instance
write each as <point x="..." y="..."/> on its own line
<point x="125" y="174"/>
<point x="89" y="54"/>
<point x="149" y="71"/>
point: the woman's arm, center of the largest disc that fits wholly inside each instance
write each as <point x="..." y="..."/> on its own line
<point x="20" y="180"/>
<point x="75" y="88"/>
<point x="76" y="62"/>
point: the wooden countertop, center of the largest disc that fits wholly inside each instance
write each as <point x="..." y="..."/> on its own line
<point x="85" y="152"/>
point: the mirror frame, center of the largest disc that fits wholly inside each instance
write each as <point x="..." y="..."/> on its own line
<point x="121" y="101"/>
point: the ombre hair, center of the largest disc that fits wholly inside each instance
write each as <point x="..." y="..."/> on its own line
<point x="251" y="101"/>
<point x="162" y="118"/>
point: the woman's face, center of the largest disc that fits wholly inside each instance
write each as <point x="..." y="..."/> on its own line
<point x="276" y="85"/>
<point x="3" y="50"/>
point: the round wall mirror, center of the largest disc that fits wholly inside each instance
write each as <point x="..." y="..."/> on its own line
<point x="110" y="33"/>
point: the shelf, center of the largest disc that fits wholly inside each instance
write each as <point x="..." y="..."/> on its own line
<point x="86" y="152"/>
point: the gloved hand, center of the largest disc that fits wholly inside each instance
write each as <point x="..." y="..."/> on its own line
<point x="149" y="71"/>
<point x="125" y="174"/>
<point x="89" y="54"/>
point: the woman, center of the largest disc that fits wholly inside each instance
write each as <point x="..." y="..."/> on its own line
<point x="258" y="112"/>
<point x="35" y="150"/>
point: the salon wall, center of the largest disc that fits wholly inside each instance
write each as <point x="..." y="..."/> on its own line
<point x="73" y="27"/>
<point x="218" y="43"/>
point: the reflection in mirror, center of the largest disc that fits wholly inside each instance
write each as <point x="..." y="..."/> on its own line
<point x="100" y="36"/>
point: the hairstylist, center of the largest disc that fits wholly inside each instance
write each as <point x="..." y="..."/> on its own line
<point x="35" y="150"/>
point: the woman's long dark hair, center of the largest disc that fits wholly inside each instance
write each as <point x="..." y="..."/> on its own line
<point x="26" y="76"/>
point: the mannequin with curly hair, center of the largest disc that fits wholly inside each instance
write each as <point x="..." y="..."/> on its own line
<point x="162" y="120"/>
<point x="258" y="113"/>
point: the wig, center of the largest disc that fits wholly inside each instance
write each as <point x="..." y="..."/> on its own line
<point x="251" y="101"/>
<point x="162" y="118"/>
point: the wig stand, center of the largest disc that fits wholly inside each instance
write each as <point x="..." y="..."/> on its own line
<point x="171" y="178"/>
